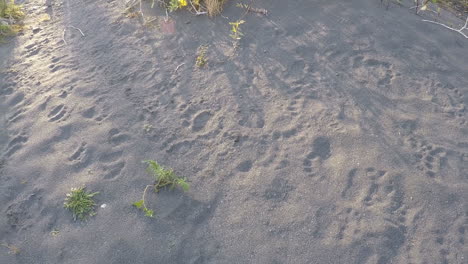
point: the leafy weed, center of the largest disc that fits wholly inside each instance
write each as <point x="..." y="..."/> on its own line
<point x="236" y="33"/>
<point x="163" y="178"/>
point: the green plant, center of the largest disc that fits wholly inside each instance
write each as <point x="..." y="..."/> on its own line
<point x="236" y="33"/>
<point x="201" y="58"/>
<point x="8" y="9"/>
<point x="11" y="249"/>
<point x="12" y="12"/>
<point x="80" y="203"/>
<point x="176" y="4"/>
<point x="163" y="178"/>
<point x="141" y="204"/>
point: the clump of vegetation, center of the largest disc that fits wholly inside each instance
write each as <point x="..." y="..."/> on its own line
<point x="201" y="58"/>
<point x="12" y="14"/>
<point x="176" y="4"/>
<point x="214" y="7"/>
<point x="199" y="7"/>
<point x="80" y="203"/>
<point x="163" y="178"/>
<point x="11" y="248"/>
<point x="10" y="10"/>
<point x="236" y="33"/>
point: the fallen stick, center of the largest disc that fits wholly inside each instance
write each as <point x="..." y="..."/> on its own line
<point x="454" y="29"/>
<point x="197" y="12"/>
<point x="180" y="65"/>
<point x="82" y="34"/>
<point x="141" y="12"/>
<point x="65" y="30"/>
<point x="63" y="37"/>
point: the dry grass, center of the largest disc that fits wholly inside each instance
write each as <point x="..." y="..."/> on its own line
<point x="460" y="6"/>
<point x="214" y="7"/>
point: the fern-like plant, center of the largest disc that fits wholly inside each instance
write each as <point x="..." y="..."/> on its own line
<point x="163" y="178"/>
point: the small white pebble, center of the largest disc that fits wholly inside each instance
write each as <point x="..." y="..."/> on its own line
<point x="103" y="205"/>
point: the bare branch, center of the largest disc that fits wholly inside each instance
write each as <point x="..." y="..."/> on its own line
<point x="454" y="29"/>
<point x="82" y="34"/>
<point x="197" y="12"/>
<point x="141" y="12"/>
<point x="180" y="65"/>
<point x="63" y="37"/>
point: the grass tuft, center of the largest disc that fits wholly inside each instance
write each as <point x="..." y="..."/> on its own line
<point x="12" y="249"/>
<point x="11" y="15"/>
<point x="10" y="10"/>
<point x="80" y="203"/>
<point x="214" y="7"/>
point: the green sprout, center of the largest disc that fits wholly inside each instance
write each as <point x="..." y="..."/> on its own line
<point x="236" y="34"/>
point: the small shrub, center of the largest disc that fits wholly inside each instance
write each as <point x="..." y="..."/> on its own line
<point x="10" y="10"/>
<point x="214" y="7"/>
<point x="201" y="58"/>
<point x="80" y="203"/>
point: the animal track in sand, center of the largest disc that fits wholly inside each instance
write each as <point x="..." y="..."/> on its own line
<point x="180" y="147"/>
<point x="372" y="71"/>
<point x="372" y="208"/>
<point x="78" y="154"/>
<point x="18" y="115"/>
<point x="251" y="118"/>
<point x="448" y="166"/>
<point x="16" y="99"/>
<point x="320" y="152"/>
<point x="116" y="138"/>
<point x="89" y="113"/>
<point x="360" y="66"/>
<point x="81" y="157"/>
<point x="112" y="171"/>
<point x="58" y="113"/>
<point x="278" y="190"/>
<point x="200" y="120"/>
<point x="108" y="157"/>
<point x="16" y="144"/>
<point x="456" y="103"/>
<point x="245" y="166"/>
<point x="92" y="113"/>
<point x="19" y="213"/>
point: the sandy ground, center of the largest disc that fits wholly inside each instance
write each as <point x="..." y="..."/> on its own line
<point x="335" y="133"/>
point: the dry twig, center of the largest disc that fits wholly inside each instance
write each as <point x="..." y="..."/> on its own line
<point x="63" y="37"/>
<point x="81" y="32"/>
<point x="178" y="66"/>
<point x="197" y="12"/>
<point x="454" y="29"/>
